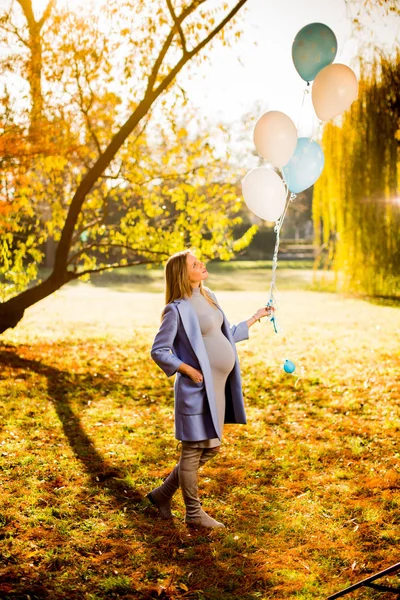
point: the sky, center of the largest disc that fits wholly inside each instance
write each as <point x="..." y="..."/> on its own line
<point x="257" y="72"/>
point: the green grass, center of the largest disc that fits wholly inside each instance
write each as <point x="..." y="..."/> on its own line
<point x="232" y="276"/>
<point x="309" y="490"/>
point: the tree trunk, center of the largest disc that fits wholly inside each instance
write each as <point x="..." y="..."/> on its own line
<point x="35" y="61"/>
<point x="12" y="311"/>
<point x="50" y="252"/>
<point x="35" y="79"/>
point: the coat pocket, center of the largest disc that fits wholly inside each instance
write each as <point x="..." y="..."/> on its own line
<point x="190" y="397"/>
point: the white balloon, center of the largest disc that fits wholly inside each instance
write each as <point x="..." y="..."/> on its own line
<point x="264" y="193"/>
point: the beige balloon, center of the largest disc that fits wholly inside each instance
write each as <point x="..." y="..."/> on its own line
<point x="275" y="137"/>
<point x="334" y="89"/>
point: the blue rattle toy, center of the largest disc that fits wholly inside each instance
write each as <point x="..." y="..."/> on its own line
<point x="289" y="366"/>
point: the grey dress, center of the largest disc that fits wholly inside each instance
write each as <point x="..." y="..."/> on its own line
<point x="220" y="355"/>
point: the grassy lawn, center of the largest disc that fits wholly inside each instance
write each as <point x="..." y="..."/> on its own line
<point x="309" y="490"/>
<point x="232" y="276"/>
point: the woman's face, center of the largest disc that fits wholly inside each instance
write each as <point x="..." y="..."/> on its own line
<point x="196" y="269"/>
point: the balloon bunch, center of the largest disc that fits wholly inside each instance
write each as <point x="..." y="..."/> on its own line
<point x="300" y="160"/>
<point x="335" y="85"/>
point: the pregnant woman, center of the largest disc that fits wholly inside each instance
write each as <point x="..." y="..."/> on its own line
<point x="196" y="342"/>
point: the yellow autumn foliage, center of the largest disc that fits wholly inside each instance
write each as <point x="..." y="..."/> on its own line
<point x="356" y="207"/>
<point x="87" y="72"/>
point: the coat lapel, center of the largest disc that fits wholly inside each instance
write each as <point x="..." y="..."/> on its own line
<point x="191" y="326"/>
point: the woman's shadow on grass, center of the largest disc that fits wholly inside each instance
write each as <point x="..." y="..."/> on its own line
<point x="58" y="385"/>
<point x="180" y="548"/>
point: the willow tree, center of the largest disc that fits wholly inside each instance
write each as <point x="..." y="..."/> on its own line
<point x="356" y="204"/>
<point x="100" y="152"/>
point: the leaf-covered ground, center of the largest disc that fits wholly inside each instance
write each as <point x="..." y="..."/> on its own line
<point x="309" y="490"/>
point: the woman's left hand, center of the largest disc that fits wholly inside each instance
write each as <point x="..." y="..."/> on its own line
<point x="265" y="311"/>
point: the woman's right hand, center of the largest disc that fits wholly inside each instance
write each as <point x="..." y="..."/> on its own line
<point x="193" y="374"/>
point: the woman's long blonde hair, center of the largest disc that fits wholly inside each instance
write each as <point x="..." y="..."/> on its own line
<point x="177" y="284"/>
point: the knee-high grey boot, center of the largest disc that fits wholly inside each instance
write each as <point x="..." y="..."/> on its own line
<point x="188" y="467"/>
<point x="208" y="454"/>
<point x="162" y="495"/>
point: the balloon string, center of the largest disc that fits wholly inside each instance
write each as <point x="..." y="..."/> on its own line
<point x="306" y="91"/>
<point x="272" y="300"/>
<point x="317" y="131"/>
<point x="278" y="226"/>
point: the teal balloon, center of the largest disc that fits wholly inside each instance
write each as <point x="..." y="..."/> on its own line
<point x="305" y="166"/>
<point x="314" y="48"/>
<point x="289" y="366"/>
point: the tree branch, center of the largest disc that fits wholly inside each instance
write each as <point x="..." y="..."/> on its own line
<point x="178" y="25"/>
<point x="153" y="75"/>
<point x="108" y="267"/>
<point x="168" y="176"/>
<point x="113" y="245"/>
<point x="26" y="6"/>
<point x="84" y="110"/>
<point x="117" y="176"/>
<point x="47" y="13"/>
<point x="88" y="226"/>
<point x="119" y="138"/>
<point x="172" y="74"/>
<point x="15" y="32"/>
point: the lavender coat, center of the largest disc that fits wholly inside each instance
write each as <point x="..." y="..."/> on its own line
<point x="179" y="340"/>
